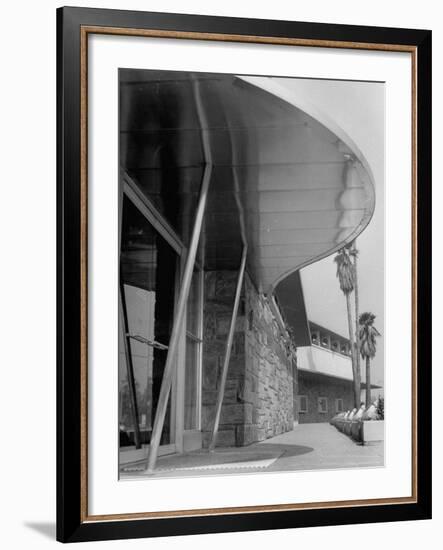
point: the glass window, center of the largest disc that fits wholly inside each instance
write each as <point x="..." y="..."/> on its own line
<point x="193" y="352"/>
<point x="160" y="143"/>
<point x="148" y="266"/>
<point x="192" y="380"/>
<point x="322" y="404"/>
<point x="302" y="404"/>
<point x="193" y="313"/>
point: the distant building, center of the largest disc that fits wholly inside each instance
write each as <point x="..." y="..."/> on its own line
<point x="325" y="376"/>
<point x="324" y="366"/>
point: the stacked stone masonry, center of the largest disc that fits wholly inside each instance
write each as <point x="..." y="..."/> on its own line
<point x="260" y="388"/>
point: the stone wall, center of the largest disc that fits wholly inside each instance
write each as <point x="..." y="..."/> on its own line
<point x="270" y="370"/>
<point x="258" y="400"/>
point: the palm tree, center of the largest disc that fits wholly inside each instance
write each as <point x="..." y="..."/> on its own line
<point x="346" y="277"/>
<point x="368" y="346"/>
<point x="353" y="252"/>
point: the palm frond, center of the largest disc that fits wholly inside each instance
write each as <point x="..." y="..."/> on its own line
<point x="345" y="271"/>
<point x="367" y="335"/>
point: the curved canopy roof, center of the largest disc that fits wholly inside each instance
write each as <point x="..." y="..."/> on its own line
<point x="281" y="180"/>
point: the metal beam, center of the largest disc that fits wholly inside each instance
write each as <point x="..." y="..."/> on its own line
<point x="177" y="325"/>
<point x="141" y="201"/>
<point x="179" y="312"/>
<point x="228" y="349"/>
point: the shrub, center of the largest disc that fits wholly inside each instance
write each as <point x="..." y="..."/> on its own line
<point x="381" y="408"/>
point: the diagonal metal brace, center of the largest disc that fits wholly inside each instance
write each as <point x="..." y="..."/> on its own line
<point x="169" y="369"/>
<point x="228" y="349"/>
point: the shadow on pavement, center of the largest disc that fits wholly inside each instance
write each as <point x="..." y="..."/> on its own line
<point x="226" y="456"/>
<point x="288" y="450"/>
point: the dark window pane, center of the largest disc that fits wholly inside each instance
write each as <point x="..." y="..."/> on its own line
<point x="147" y="269"/>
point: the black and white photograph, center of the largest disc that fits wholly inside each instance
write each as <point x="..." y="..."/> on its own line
<point x="251" y="274"/>
<point x="244" y="262"/>
<point x="217" y="275"/>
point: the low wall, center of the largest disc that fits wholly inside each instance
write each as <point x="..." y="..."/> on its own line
<point x="362" y="431"/>
<point x="373" y="430"/>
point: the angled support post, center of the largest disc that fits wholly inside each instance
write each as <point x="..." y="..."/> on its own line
<point x="168" y="372"/>
<point x="228" y="349"/>
<point x="177" y="325"/>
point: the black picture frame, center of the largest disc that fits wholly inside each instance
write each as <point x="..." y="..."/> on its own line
<point x="72" y="525"/>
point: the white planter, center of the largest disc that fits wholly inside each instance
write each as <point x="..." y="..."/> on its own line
<point x="373" y="430"/>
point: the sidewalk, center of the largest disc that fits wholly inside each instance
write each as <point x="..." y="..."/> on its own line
<point x="307" y="447"/>
<point x="330" y="449"/>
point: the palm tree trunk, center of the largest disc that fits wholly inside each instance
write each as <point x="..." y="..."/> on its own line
<point x="368" y="382"/>
<point x="351" y="340"/>
<point x="357" y="328"/>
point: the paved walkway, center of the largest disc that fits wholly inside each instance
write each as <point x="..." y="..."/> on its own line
<point x="329" y="449"/>
<point x="307" y="447"/>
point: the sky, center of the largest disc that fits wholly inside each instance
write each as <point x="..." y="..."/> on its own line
<point x="358" y="109"/>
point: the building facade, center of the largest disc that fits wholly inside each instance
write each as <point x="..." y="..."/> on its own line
<point x="325" y="386"/>
<point x="227" y="187"/>
<point x="325" y="376"/>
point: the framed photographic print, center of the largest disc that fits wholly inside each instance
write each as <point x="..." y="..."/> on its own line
<point x="244" y="274"/>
